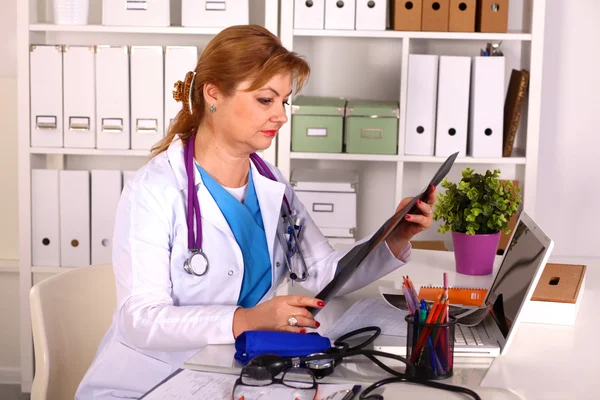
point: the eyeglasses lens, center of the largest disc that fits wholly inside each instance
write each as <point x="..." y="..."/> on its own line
<point x="300" y="378"/>
<point x="256" y="376"/>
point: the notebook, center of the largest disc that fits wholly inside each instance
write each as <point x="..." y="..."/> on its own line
<point x="456" y="295"/>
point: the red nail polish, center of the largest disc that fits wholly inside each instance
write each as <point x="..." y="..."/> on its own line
<point x="320" y="304"/>
<point x="419" y="201"/>
<point x="407" y="217"/>
<point x="318" y="324"/>
<point x="302" y="330"/>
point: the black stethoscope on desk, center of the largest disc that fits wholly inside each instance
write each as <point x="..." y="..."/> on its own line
<point x="197" y="263"/>
<point x="323" y="364"/>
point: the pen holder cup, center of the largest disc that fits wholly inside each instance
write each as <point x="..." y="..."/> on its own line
<point x="430" y="348"/>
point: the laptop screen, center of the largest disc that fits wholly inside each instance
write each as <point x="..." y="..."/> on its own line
<point x="509" y="289"/>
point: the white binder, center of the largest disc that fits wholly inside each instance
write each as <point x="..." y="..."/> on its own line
<point x="136" y="12"/>
<point x="487" y="107"/>
<point x="79" y="97"/>
<point x="214" y="13"/>
<point x="371" y="15"/>
<point x="45" y="234"/>
<point x="179" y="60"/>
<point x="309" y="14"/>
<point x="340" y="14"/>
<point x="147" y="96"/>
<point x="74" y="218"/>
<point x="421" y="104"/>
<point x="46" y="82"/>
<point x="112" y="97"/>
<point x="106" y="192"/>
<point x="453" y="105"/>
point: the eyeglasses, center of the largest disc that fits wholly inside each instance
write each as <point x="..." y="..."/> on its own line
<point x="257" y="381"/>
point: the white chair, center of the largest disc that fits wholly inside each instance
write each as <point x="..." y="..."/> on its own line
<point x="70" y="313"/>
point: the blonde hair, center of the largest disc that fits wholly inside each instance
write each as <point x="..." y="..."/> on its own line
<point x="236" y="54"/>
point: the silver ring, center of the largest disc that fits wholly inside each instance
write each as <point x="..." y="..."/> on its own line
<point x="292" y="321"/>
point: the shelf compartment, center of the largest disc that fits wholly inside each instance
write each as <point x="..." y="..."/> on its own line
<point x="88" y="152"/>
<point x="466" y="160"/>
<point x="343" y="157"/>
<point x="516" y="36"/>
<point x="50" y="270"/>
<point x="176" y="30"/>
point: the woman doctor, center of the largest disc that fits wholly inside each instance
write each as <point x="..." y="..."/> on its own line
<point x="200" y="244"/>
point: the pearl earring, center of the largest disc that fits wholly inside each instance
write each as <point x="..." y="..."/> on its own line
<point x="212" y="108"/>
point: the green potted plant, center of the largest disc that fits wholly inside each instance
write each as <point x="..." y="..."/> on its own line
<point x="476" y="211"/>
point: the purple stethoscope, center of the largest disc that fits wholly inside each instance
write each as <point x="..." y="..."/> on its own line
<point x="197" y="262"/>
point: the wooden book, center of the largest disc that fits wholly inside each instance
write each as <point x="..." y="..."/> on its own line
<point x="513" y="106"/>
<point x="559" y="283"/>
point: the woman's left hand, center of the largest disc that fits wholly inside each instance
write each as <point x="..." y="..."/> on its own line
<point x="413" y="224"/>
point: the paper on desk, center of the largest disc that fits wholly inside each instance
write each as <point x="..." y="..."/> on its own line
<point x="370" y="312"/>
<point x="191" y="385"/>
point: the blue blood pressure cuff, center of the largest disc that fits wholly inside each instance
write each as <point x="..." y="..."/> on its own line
<point x="251" y="344"/>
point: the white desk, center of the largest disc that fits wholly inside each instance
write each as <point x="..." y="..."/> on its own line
<point x="544" y="361"/>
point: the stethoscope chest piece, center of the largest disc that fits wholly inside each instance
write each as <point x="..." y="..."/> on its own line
<point x="197" y="263"/>
<point x="322" y="367"/>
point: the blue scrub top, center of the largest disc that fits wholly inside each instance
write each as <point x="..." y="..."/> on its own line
<point x="245" y="221"/>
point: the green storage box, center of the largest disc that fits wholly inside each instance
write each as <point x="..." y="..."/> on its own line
<point x="318" y="124"/>
<point x="372" y="127"/>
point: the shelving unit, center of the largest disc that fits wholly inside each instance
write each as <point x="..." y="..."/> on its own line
<point x="373" y="65"/>
<point x="34" y="26"/>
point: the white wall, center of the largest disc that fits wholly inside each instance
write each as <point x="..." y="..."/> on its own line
<point x="568" y="189"/>
<point x="8" y="128"/>
<point x="9" y="245"/>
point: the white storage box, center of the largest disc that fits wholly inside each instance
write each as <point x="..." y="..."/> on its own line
<point x="340" y="14"/>
<point x="371" y="15"/>
<point x="214" y="13"/>
<point x="136" y="12"/>
<point x="330" y="199"/>
<point x="557" y="296"/>
<point x="309" y="14"/>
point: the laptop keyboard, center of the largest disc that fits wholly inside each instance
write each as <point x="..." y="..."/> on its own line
<point x="464" y="335"/>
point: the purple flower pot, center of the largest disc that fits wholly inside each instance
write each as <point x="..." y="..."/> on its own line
<point x="475" y="254"/>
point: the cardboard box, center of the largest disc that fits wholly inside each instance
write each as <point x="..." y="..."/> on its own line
<point x="435" y="15"/>
<point x="462" y="15"/>
<point x="557" y="296"/>
<point x="406" y="15"/>
<point x="492" y="16"/>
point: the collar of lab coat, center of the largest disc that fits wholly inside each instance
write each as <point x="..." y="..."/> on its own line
<point x="269" y="193"/>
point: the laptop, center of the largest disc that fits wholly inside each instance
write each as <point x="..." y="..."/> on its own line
<point x="523" y="263"/>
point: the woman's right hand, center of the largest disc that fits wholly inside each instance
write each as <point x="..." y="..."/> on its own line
<point x="273" y="315"/>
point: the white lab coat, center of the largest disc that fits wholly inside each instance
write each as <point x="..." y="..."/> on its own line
<point x="163" y="314"/>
